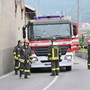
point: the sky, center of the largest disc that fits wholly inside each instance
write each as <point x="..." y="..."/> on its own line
<point x="51" y="6"/>
<point x="68" y="7"/>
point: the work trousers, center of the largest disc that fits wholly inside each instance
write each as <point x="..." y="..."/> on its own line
<point x="25" y="68"/>
<point x="55" y="67"/>
<point x="88" y="63"/>
<point x="16" y="67"/>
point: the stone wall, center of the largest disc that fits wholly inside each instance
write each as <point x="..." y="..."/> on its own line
<point x="81" y="54"/>
<point x="11" y="23"/>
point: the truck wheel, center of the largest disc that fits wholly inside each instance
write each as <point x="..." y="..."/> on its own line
<point x="68" y="68"/>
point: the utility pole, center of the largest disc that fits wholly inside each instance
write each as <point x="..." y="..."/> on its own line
<point x="78" y="13"/>
<point x="38" y="7"/>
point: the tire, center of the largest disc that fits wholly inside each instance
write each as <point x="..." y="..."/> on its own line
<point x="68" y="68"/>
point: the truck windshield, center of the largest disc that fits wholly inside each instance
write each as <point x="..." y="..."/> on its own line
<point x="50" y="31"/>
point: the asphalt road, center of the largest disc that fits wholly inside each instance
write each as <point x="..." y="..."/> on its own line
<point x="77" y="79"/>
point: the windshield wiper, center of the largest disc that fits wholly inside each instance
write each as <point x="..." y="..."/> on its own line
<point x="55" y="36"/>
<point x="37" y="36"/>
<point x="40" y="38"/>
<point x="60" y="37"/>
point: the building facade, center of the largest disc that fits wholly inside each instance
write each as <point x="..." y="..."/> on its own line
<point x="12" y="18"/>
<point x="29" y="13"/>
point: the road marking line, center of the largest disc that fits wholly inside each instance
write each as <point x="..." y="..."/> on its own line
<point x="6" y="75"/>
<point x="54" y="80"/>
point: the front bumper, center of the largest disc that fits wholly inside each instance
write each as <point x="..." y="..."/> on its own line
<point x="43" y="62"/>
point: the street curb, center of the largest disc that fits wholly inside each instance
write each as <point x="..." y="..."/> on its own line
<point x="6" y="75"/>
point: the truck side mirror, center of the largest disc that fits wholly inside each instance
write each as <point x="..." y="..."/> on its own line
<point x="74" y="30"/>
<point x="24" y="32"/>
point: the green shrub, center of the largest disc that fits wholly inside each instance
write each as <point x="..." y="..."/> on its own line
<point x="82" y="44"/>
<point x="82" y="49"/>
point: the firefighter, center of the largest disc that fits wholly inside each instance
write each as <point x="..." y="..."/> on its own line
<point x="25" y="60"/>
<point x="54" y="54"/>
<point x="16" y="55"/>
<point x="88" y="63"/>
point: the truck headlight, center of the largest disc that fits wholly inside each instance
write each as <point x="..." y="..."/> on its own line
<point x="68" y="57"/>
<point x="34" y="59"/>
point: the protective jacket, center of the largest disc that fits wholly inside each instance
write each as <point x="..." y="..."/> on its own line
<point x="25" y="56"/>
<point x="88" y="63"/>
<point x="54" y="52"/>
<point x="16" y="51"/>
<point x="16" y="54"/>
<point x="89" y="50"/>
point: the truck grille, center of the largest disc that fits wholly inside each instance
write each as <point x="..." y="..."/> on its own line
<point x="43" y="51"/>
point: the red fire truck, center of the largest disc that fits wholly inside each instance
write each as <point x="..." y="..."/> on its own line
<point x="41" y="30"/>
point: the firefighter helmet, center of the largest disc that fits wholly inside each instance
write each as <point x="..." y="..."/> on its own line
<point x="19" y="41"/>
<point x="52" y="40"/>
<point x="26" y="41"/>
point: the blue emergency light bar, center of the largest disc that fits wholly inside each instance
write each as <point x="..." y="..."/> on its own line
<point x="41" y="17"/>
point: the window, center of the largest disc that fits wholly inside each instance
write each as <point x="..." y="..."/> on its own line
<point x="22" y="8"/>
<point x="16" y="4"/>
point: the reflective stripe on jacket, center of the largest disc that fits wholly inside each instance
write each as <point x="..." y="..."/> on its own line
<point x="54" y="52"/>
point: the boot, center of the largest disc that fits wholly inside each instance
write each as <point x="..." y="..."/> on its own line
<point x="20" y="74"/>
<point x="52" y="74"/>
<point x="57" y="72"/>
<point x="25" y="76"/>
<point x="16" y="73"/>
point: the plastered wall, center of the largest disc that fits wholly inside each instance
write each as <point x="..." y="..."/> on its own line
<point x="11" y="23"/>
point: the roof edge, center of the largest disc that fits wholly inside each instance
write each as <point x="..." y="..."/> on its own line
<point x="29" y="7"/>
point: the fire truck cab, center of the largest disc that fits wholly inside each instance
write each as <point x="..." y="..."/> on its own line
<point x="40" y="32"/>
